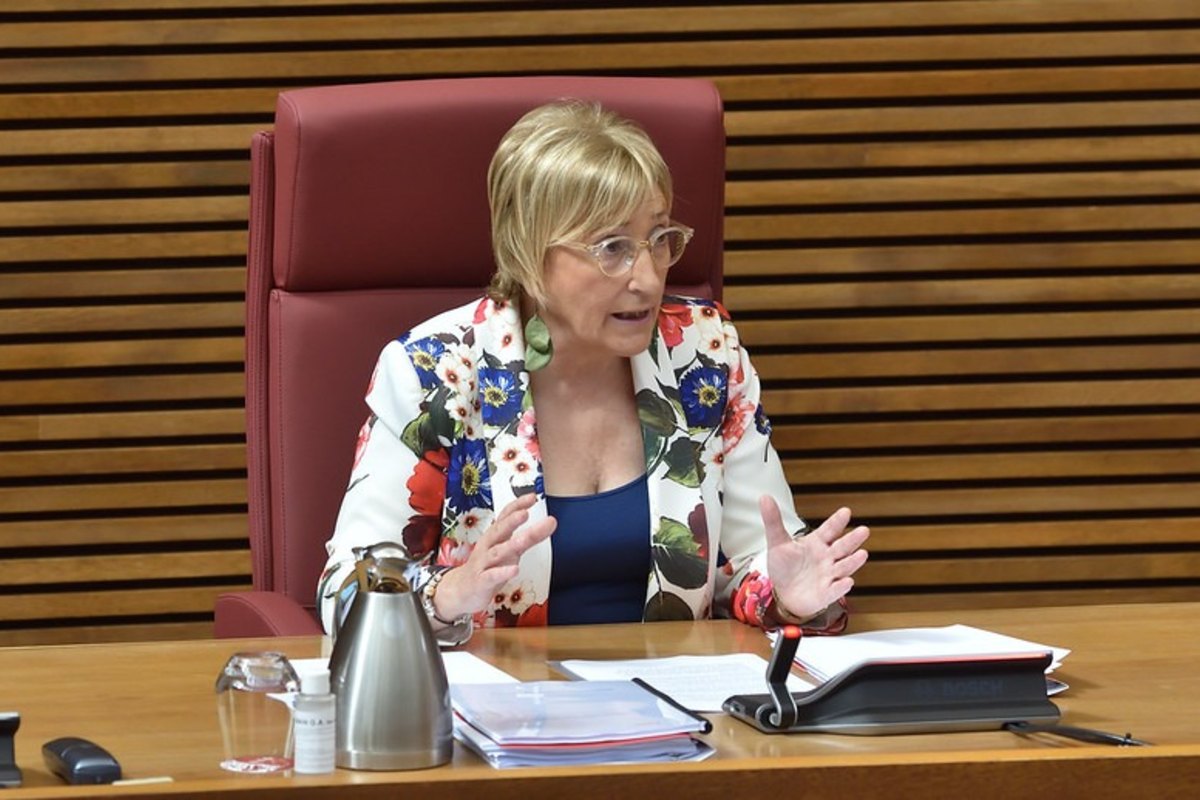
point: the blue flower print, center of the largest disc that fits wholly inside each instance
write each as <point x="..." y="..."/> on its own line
<point x="761" y="422"/>
<point x="499" y="396"/>
<point x="703" y="392"/>
<point x="425" y="354"/>
<point x="468" y="482"/>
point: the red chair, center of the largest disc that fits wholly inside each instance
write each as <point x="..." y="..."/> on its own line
<point x="368" y="213"/>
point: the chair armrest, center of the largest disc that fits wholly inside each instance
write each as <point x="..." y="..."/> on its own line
<point x="258" y="614"/>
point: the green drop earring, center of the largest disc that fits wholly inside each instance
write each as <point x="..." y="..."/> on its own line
<point x="538" y="347"/>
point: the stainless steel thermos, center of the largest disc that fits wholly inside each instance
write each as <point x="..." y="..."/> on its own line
<point x="393" y="699"/>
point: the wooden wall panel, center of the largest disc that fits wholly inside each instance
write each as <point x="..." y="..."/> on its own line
<point x="961" y="244"/>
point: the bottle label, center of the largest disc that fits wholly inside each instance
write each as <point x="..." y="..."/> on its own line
<point x="315" y="741"/>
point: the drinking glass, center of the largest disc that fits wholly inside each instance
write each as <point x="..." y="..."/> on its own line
<point x="256" y="719"/>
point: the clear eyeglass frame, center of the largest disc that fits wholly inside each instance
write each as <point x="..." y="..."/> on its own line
<point x="615" y="256"/>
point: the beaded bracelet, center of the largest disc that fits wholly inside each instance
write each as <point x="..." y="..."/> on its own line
<point x="459" y="625"/>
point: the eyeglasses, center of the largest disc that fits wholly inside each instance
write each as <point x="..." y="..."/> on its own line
<point x="615" y="255"/>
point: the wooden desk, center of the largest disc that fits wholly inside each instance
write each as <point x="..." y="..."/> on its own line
<point x="1132" y="668"/>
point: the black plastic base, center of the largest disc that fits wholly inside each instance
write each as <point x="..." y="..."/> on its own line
<point x="10" y="773"/>
<point x="912" y="696"/>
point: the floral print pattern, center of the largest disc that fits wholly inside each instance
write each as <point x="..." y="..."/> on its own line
<point x="468" y="480"/>
<point x="426" y="354"/>
<point x="703" y="392"/>
<point x="500" y="396"/>
<point x="453" y="438"/>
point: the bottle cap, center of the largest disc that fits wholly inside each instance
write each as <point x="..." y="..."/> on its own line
<point x="315" y="682"/>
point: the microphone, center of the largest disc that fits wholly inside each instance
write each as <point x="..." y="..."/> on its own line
<point x="784" y="714"/>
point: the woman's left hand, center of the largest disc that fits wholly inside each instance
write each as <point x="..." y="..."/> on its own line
<point x="814" y="571"/>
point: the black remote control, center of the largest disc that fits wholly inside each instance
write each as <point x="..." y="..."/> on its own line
<point x="80" y="761"/>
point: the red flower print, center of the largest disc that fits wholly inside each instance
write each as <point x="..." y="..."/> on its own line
<point x="427" y="484"/>
<point x="738" y="416"/>
<point x="427" y="491"/>
<point x="737" y="375"/>
<point x="481" y="311"/>
<point x="536" y="616"/>
<point x="453" y="553"/>
<point x="672" y="319"/>
<point x="751" y="600"/>
<point x="697" y="522"/>
<point x="527" y="430"/>
<point x="364" y="436"/>
<point x="371" y="383"/>
<point x="420" y="535"/>
<point x="503" y="618"/>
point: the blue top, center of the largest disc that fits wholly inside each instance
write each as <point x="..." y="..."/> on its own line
<point x="601" y="555"/>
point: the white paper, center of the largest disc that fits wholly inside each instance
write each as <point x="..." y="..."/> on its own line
<point x="826" y="656"/>
<point x="700" y="683"/>
<point x="461" y="667"/>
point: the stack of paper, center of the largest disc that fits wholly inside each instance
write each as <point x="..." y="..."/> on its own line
<point x="826" y="656"/>
<point x="573" y="722"/>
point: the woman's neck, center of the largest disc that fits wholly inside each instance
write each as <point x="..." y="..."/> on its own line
<point x="575" y="365"/>
<point x="581" y="372"/>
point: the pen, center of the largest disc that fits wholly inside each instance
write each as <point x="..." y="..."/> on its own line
<point x="141" y="781"/>
<point x="706" y="726"/>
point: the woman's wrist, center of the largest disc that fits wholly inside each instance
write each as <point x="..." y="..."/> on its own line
<point x="458" y="626"/>
<point x="784" y="615"/>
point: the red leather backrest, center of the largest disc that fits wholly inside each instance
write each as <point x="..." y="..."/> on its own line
<point x="389" y="178"/>
<point x="368" y="214"/>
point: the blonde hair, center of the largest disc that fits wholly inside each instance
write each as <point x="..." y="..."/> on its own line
<point x="565" y="171"/>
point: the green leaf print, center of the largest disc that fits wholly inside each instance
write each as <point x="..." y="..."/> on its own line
<point x="682" y="463"/>
<point x="655" y="413"/>
<point x="667" y="606"/>
<point x="677" y="555"/>
<point x="419" y="436"/>
<point x="655" y="447"/>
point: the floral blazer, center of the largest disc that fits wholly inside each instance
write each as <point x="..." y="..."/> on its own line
<point x="452" y="438"/>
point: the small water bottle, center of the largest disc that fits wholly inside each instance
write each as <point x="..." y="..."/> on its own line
<point x="314" y="719"/>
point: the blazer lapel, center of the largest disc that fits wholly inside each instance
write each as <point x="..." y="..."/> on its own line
<point x="508" y="427"/>
<point x="680" y="564"/>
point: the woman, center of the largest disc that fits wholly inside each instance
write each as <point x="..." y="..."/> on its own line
<point x="576" y="400"/>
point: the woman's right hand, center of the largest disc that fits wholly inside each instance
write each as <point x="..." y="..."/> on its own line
<point x="493" y="562"/>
